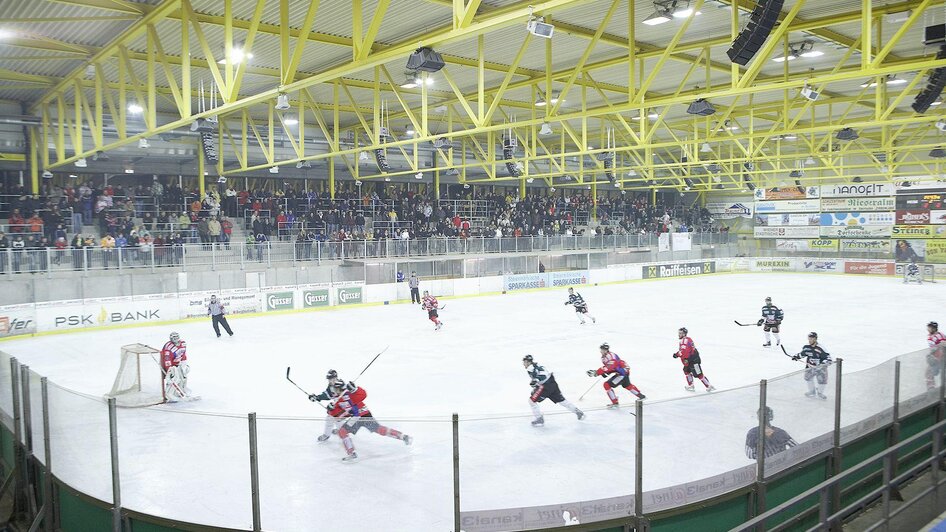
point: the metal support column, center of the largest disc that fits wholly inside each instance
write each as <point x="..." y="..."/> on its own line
<point x="456" y="473"/>
<point x="254" y="472"/>
<point x="116" y="480"/>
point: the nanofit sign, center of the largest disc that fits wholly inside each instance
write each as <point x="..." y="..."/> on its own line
<point x="857" y="190"/>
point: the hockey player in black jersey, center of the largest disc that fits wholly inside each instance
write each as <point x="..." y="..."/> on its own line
<point x="776" y="439"/>
<point x="817" y="361"/>
<point x="771" y="319"/>
<point x="331" y="392"/>
<point x="544" y="387"/>
<point x="581" y="308"/>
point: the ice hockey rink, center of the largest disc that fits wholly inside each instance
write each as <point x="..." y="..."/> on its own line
<point x="190" y="461"/>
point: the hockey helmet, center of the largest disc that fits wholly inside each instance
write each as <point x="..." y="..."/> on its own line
<point x="605" y="347"/>
<point x="175" y="337"/>
<point x="331" y="375"/>
<point x="683" y="330"/>
<point x="769" y="415"/>
<point x="933" y="325"/>
<point x="768" y="300"/>
<point x="213" y="298"/>
<point x="570" y="290"/>
<point x="528" y="358"/>
<point x="812" y="334"/>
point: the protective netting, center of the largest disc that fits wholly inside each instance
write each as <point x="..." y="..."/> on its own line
<point x="807" y="418"/>
<point x="515" y="476"/>
<point x="915" y="370"/>
<point x="181" y="465"/>
<point x="866" y="400"/>
<point x="694" y="448"/>
<point x="79" y="441"/>
<point x="139" y="380"/>
<point x="305" y="485"/>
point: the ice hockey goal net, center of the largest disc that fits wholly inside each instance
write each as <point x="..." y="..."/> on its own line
<point x="926" y="273"/>
<point x="140" y="380"/>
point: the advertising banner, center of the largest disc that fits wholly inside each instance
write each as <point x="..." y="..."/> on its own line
<point x="315" y="298"/>
<point x="814" y="244"/>
<point x="773" y="265"/>
<point x="524" y="281"/>
<point x="913" y="217"/>
<point x="17" y="319"/>
<point x="866" y="231"/>
<point x="866" y="246"/>
<point x="919" y="231"/>
<point x="105" y="311"/>
<point x="728" y="211"/>
<point x="821" y="265"/>
<point x="857" y="190"/>
<point x="568" y="278"/>
<point x="786" y="232"/>
<point x="349" y="295"/>
<point x="921" y="202"/>
<point x="857" y="218"/>
<point x="682" y="269"/>
<point x="787" y="219"/>
<point x="801" y="205"/>
<point x="938" y="217"/>
<point x="858" y="204"/>
<point x="280" y="300"/>
<point x="681" y="241"/>
<point x="663" y="242"/>
<point x="239" y="301"/>
<point x="935" y="251"/>
<point x="869" y="268"/>
<point x="785" y="193"/>
<point x="928" y="269"/>
<point x="907" y="250"/>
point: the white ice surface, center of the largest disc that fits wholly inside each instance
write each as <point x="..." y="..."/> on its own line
<point x="195" y="468"/>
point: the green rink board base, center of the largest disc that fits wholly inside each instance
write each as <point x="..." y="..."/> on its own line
<point x="80" y="513"/>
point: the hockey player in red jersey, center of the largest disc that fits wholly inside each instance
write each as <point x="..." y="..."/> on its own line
<point x="175" y="368"/>
<point x="615" y="373"/>
<point x="690" y="356"/>
<point x="430" y="304"/>
<point x="934" y="359"/>
<point x="348" y="403"/>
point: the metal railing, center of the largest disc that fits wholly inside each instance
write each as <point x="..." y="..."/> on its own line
<point x="220" y="253"/>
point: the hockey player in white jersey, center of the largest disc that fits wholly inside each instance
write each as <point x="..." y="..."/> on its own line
<point x="581" y="308"/>
<point x="544" y="387"/>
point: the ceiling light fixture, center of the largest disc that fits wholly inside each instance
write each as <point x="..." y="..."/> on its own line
<point x="701" y="107"/>
<point x="143" y="144"/>
<point x="660" y="16"/>
<point x="274" y="169"/>
<point x="135" y="109"/>
<point x="129" y="170"/>
<point x="706" y="148"/>
<point x="282" y="101"/>
<point x="291" y="121"/>
<point x="81" y="163"/>
<point x="891" y="79"/>
<point x="938" y="152"/>
<point x="790" y="136"/>
<point x="546" y="129"/>
<point x="538" y="27"/>
<point x="237" y="55"/>
<point x="846" y="134"/>
<point x="810" y="161"/>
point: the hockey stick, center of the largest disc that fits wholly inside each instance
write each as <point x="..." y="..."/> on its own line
<point x="370" y="363"/>
<point x="595" y="383"/>
<point x="294" y="382"/>
<point x="745" y="324"/>
<point x="786" y="352"/>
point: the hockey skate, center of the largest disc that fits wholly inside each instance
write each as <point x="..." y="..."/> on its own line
<point x="594" y="320"/>
<point x="689" y="388"/>
<point x="580" y="414"/>
<point x="539" y="422"/>
<point x="822" y="396"/>
<point x="351" y="458"/>
<point x="439" y="325"/>
<point x="810" y="394"/>
<point x="710" y="388"/>
<point x="323" y="438"/>
<point x="767" y="344"/>
<point x="407" y="439"/>
<point x="642" y="397"/>
<point x="613" y="406"/>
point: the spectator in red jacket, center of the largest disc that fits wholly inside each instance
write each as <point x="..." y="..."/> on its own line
<point x="17" y="222"/>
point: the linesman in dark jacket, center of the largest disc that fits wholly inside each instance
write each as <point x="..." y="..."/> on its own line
<point x="217" y="313"/>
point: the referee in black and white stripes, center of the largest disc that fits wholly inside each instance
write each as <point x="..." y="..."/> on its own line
<point x="216" y="313"/>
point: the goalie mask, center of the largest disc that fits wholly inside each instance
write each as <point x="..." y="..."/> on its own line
<point x="175" y="338"/>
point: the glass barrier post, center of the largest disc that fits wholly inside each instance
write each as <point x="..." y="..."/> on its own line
<point x="456" y="473"/>
<point x="639" y="522"/>
<point x="49" y="513"/>
<point x="116" y="478"/>
<point x="760" y="452"/>
<point x="19" y="458"/>
<point x="895" y="422"/>
<point x="27" y="410"/>
<point x="254" y="472"/>
<point x="836" y="451"/>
